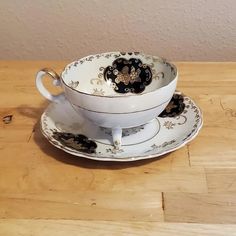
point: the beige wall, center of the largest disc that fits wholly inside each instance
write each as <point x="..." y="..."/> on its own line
<point x="68" y="29"/>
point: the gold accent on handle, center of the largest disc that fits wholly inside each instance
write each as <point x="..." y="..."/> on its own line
<point x="51" y="73"/>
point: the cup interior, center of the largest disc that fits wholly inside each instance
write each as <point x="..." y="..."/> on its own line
<point x="118" y="74"/>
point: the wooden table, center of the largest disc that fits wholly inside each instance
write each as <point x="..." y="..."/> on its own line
<point x="44" y="191"/>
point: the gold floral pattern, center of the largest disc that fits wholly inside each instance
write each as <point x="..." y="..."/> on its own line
<point x="99" y="80"/>
<point x="114" y="150"/>
<point x="163" y="145"/>
<point x="75" y="141"/>
<point x="127" y="78"/>
<point x="169" y="124"/>
<point x="73" y="84"/>
<point x="128" y="75"/>
<point x="99" y="92"/>
<point x="191" y="106"/>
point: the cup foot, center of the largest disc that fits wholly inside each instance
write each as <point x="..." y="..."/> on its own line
<point x="125" y="136"/>
<point x="116" y="137"/>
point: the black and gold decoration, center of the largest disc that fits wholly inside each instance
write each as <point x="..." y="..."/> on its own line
<point x="78" y="142"/>
<point x="128" y="75"/>
<point x="175" y="107"/>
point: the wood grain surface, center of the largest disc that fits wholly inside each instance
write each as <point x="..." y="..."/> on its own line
<point x="44" y="191"/>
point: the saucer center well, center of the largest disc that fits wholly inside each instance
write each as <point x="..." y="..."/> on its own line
<point x="130" y="136"/>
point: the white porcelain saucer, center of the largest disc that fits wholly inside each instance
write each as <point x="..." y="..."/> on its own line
<point x="175" y="127"/>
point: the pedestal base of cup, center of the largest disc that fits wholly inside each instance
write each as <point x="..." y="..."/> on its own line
<point x="119" y="137"/>
<point x="125" y="136"/>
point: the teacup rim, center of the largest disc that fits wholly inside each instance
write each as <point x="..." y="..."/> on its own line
<point x="163" y="60"/>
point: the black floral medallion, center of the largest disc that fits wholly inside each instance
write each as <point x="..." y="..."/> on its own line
<point x="175" y="107"/>
<point x="128" y="75"/>
<point x="78" y="142"/>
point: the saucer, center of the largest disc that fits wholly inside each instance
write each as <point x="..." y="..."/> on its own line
<point x="177" y="125"/>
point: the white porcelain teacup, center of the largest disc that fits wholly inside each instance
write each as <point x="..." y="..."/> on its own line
<point x="115" y="90"/>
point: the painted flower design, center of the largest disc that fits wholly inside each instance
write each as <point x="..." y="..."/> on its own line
<point x="175" y="107"/>
<point x="128" y="75"/>
<point x="78" y="142"/>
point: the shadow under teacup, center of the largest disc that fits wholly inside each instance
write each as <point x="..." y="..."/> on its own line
<point x="115" y="90"/>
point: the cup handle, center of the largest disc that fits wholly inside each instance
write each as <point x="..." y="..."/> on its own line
<point x="56" y="81"/>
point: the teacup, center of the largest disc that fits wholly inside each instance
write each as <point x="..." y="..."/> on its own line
<point x="115" y="90"/>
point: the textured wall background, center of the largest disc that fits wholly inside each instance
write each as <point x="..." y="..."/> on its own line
<point x="68" y="29"/>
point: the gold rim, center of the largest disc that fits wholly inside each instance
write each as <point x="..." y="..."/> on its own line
<point x="121" y="113"/>
<point x="112" y="96"/>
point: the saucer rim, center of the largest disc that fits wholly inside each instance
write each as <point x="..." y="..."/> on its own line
<point x="124" y="159"/>
<point x="128" y="158"/>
